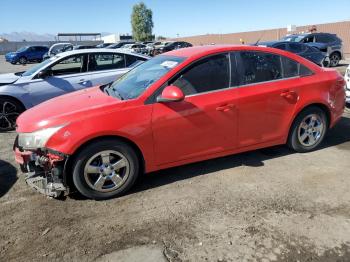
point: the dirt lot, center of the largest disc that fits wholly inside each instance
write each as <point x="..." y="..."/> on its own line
<point x="266" y="205"/>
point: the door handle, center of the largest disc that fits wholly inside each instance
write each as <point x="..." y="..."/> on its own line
<point x="290" y="95"/>
<point x="225" y="108"/>
<point x="82" y="81"/>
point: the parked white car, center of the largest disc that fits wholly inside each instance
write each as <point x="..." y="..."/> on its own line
<point x="347" y="79"/>
<point x="65" y="72"/>
<point x="58" y="48"/>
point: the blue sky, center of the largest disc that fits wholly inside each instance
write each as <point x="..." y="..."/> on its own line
<point x="183" y="17"/>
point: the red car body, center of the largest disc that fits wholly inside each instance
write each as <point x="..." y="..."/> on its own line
<point x="200" y="127"/>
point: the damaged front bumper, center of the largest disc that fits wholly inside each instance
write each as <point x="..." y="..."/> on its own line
<point x="43" y="170"/>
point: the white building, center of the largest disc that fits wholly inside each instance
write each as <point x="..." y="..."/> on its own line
<point x="114" y="38"/>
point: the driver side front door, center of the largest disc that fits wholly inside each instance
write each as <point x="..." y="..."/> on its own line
<point x="67" y="75"/>
<point x="205" y="122"/>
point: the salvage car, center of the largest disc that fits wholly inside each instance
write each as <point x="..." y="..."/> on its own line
<point x="309" y="52"/>
<point x="326" y="42"/>
<point x="136" y="48"/>
<point x="66" y="72"/>
<point x="347" y="80"/>
<point x="27" y="54"/>
<point x="184" y="106"/>
<point x="169" y="46"/>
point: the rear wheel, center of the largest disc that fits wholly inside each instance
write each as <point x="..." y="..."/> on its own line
<point x="105" y="169"/>
<point x="334" y="59"/>
<point x="23" y="60"/>
<point x="308" y="130"/>
<point x="10" y="109"/>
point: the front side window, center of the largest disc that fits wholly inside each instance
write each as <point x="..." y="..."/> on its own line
<point x="259" y="67"/>
<point x="309" y="39"/>
<point x="105" y="61"/>
<point x="209" y="74"/>
<point x="70" y="65"/>
<point x="137" y="80"/>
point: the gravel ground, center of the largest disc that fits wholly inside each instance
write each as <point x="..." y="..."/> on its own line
<point x="265" y="205"/>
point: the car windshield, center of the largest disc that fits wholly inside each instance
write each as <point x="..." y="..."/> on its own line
<point x="136" y="81"/>
<point x="293" y="38"/>
<point x="35" y="68"/>
<point x="22" y="49"/>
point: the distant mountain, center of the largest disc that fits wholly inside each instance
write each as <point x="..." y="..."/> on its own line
<point x="30" y="36"/>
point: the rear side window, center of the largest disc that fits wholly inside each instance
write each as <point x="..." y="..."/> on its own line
<point x="292" y="68"/>
<point x="105" y="61"/>
<point x="324" y="38"/>
<point x="259" y="67"/>
<point x="209" y="74"/>
<point x="132" y="60"/>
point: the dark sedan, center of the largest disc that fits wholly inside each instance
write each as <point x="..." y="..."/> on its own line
<point x="309" y="52"/>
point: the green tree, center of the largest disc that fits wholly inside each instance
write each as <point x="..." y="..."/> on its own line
<point x="141" y="22"/>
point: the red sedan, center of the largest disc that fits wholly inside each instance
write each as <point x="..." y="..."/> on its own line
<point x="183" y="106"/>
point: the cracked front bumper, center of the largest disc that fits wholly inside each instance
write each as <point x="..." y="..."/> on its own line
<point x="43" y="171"/>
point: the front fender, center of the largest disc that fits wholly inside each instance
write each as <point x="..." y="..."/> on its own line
<point x="17" y="93"/>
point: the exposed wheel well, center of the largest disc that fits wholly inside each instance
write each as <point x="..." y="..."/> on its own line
<point x="71" y="159"/>
<point x="14" y="99"/>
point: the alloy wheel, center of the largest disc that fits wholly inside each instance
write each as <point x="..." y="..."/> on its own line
<point x="106" y="171"/>
<point x="334" y="60"/>
<point x="310" y="130"/>
<point x="8" y="115"/>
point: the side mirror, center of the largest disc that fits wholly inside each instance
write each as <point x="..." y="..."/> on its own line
<point x="171" y="94"/>
<point x="44" y="73"/>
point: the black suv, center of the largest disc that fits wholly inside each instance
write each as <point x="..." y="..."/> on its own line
<point x="328" y="43"/>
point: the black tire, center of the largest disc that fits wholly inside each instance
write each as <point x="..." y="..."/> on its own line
<point x="22" y="60"/>
<point x="295" y="140"/>
<point x="334" y="59"/>
<point x="10" y="109"/>
<point x="13" y="63"/>
<point x="80" y="180"/>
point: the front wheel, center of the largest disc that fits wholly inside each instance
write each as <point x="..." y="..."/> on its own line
<point x="23" y="60"/>
<point x="308" y="130"/>
<point x="105" y="169"/>
<point x="9" y="111"/>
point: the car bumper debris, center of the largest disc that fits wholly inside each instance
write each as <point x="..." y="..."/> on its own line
<point x="43" y="170"/>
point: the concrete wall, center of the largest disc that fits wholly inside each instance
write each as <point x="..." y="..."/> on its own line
<point x="13" y="46"/>
<point x="342" y="29"/>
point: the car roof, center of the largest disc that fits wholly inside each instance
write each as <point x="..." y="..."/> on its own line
<point x="99" y="50"/>
<point x="210" y="49"/>
<point x="271" y="43"/>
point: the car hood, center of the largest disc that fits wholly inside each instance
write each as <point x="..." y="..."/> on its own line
<point x="8" y="78"/>
<point x="67" y="109"/>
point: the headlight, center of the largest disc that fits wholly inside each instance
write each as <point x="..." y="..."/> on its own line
<point x="37" y="139"/>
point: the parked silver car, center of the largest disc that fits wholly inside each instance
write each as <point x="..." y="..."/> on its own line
<point x="66" y="72"/>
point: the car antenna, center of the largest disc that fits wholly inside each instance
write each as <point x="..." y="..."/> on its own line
<point x="257" y="42"/>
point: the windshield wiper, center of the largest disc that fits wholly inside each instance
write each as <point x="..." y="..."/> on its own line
<point x="117" y="94"/>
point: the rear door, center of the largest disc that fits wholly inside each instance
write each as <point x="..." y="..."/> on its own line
<point x="267" y="96"/>
<point x="104" y="68"/>
<point x="205" y="122"/>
